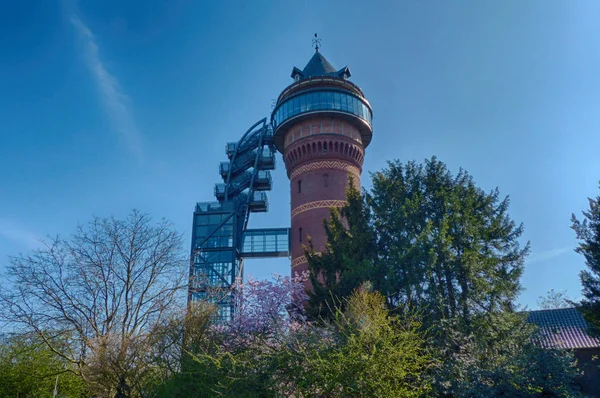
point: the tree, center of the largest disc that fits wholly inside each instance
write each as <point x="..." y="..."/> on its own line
<point x="29" y="369"/>
<point x="95" y="299"/>
<point x="237" y="358"/>
<point x="445" y="246"/>
<point x="347" y="261"/>
<point x="362" y="352"/>
<point x="266" y="308"/>
<point x="450" y="252"/>
<point x="554" y="300"/>
<point x="588" y="234"/>
<point x="501" y="358"/>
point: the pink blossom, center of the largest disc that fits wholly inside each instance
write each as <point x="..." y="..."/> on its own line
<point x="266" y="311"/>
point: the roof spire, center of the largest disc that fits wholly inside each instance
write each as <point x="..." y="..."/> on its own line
<point x="316" y="42"/>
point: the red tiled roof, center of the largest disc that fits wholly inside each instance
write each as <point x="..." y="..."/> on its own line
<point x="562" y="328"/>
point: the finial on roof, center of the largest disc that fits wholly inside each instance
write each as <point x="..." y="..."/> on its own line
<point x="316" y="43"/>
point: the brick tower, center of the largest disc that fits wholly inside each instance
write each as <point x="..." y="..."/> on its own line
<point x="322" y="125"/>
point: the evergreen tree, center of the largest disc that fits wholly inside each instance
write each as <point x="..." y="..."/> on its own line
<point x="348" y="259"/>
<point x="445" y="246"/>
<point x="501" y="358"/>
<point x="588" y="233"/>
<point x="436" y="245"/>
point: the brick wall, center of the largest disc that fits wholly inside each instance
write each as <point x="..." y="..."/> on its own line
<point x="320" y="155"/>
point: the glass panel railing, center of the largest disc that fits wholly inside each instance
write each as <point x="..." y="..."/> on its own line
<point x="258" y="203"/>
<point x="209" y="207"/>
<point x="230" y="148"/>
<point x="224" y="169"/>
<point x="322" y="100"/>
<point x="269" y="242"/>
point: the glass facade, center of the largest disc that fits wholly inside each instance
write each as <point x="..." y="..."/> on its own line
<point x="206" y="226"/>
<point x="215" y="268"/>
<point x="215" y="265"/>
<point x="319" y="101"/>
<point x="218" y="226"/>
<point x="272" y="242"/>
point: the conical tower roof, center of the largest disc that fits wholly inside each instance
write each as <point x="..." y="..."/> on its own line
<point x="319" y="66"/>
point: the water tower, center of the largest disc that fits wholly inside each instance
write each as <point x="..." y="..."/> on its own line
<point x="322" y="125"/>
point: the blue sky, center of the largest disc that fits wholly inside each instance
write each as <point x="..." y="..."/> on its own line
<point x="108" y="106"/>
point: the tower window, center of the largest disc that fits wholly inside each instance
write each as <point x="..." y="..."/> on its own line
<point x="299" y="234"/>
<point x="326" y="180"/>
<point x="299" y="186"/>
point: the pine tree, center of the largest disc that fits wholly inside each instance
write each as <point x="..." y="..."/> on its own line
<point x="347" y="261"/>
<point x="588" y="233"/>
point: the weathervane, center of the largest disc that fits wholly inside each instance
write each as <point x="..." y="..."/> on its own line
<point x="316" y="42"/>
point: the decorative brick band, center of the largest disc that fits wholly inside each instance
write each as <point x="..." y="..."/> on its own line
<point x="300" y="260"/>
<point x="325" y="165"/>
<point x="319" y="204"/>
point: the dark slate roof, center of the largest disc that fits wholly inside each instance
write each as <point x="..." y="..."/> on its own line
<point x="318" y="66"/>
<point x="562" y="328"/>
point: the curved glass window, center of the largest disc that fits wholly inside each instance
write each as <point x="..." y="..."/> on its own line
<point x="321" y="100"/>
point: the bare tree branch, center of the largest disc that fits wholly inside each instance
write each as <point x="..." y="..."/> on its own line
<point x="97" y="298"/>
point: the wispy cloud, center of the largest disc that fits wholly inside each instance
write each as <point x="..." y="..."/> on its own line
<point x="12" y="231"/>
<point x="548" y="254"/>
<point x="115" y="101"/>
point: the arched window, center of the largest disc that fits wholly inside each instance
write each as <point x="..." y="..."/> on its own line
<point x="299" y="234"/>
<point x="299" y="186"/>
<point x="326" y="180"/>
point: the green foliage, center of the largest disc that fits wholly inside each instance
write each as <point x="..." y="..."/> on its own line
<point x="216" y="372"/>
<point x="362" y="352"/>
<point x="501" y="358"/>
<point x="28" y="369"/>
<point x="210" y="365"/>
<point x="367" y="353"/>
<point x="347" y="261"/>
<point x="449" y="251"/>
<point x="588" y="234"/>
<point x="445" y="246"/>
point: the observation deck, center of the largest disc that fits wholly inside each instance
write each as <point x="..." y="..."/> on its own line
<point x="320" y="89"/>
<point x="322" y="123"/>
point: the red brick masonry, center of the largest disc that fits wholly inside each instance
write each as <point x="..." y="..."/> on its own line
<point x="320" y="155"/>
